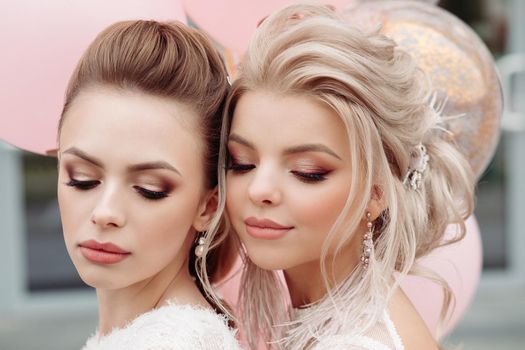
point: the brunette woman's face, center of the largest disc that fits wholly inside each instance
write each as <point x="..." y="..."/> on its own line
<point x="289" y="177"/>
<point x="131" y="185"/>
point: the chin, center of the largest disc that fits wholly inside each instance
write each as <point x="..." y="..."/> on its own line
<point x="95" y="279"/>
<point x="102" y="280"/>
<point x="271" y="259"/>
<point x="99" y="277"/>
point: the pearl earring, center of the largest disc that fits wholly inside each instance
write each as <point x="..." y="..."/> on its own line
<point x="199" y="248"/>
<point x="368" y="243"/>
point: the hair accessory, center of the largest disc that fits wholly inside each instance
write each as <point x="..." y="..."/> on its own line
<point x="418" y="165"/>
<point x="368" y="243"/>
<point x="199" y="248"/>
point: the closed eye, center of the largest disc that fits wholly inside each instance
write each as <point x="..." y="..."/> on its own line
<point x="240" y="168"/>
<point x="83" y="185"/>
<point x="149" y="194"/>
<point x="310" y="177"/>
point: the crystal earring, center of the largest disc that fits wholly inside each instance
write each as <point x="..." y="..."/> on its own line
<point x="368" y="243"/>
<point x="199" y="248"/>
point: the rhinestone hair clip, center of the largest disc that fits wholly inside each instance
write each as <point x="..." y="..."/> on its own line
<point x="418" y="164"/>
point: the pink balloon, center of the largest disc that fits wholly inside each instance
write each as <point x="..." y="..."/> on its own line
<point x="459" y="264"/>
<point x="41" y="43"/>
<point x="232" y="22"/>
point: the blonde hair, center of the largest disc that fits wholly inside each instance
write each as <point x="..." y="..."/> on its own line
<point x="386" y="106"/>
<point x="170" y="60"/>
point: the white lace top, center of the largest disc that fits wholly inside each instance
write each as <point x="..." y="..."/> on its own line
<point x="169" y="327"/>
<point x="383" y="336"/>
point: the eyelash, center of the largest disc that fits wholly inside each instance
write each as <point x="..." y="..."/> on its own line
<point x="90" y="184"/>
<point x="302" y="176"/>
<point x="151" y="195"/>
<point x="240" y="168"/>
<point x="311" y="177"/>
<point x="83" y="185"/>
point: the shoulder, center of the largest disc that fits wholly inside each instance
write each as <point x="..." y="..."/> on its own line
<point x="171" y="327"/>
<point x="409" y="325"/>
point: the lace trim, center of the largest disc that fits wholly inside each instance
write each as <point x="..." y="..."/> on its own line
<point x="362" y="341"/>
<point x="340" y="341"/>
<point x="398" y="342"/>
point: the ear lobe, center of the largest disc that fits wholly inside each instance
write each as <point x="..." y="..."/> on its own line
<point x="377" y="203"/>
<point x="206" y="210"/>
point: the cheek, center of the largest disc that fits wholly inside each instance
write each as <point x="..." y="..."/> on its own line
<point x="320" y="209"/>
<point x="75" y="209"/>
<point x="235" y="188"/>
<point x="161" y="225"/>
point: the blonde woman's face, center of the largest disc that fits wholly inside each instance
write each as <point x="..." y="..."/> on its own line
<point x="130" y="186"/>
<point x="289" y="177"/>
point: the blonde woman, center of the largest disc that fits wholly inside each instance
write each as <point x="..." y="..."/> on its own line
<point x="336" y="172"/>
<point x="138" y="143"/>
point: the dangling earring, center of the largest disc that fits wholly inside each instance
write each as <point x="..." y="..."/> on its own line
<point x="368" y="243"/>
<point x="199" y="248"/>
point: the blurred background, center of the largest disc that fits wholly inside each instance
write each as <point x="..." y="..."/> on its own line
<point x="45" y="305"/>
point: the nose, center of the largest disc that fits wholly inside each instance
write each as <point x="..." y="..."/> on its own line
<point x="108" y="212"/>
<point x="264" y="188"/>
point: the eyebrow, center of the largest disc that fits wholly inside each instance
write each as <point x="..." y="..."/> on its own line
<point x="153" y="166"/>
<point x="310" y="147"/>
<point x="81" y="154"/>
<point x="241" y="140"/>
<point x="132" y="168"/>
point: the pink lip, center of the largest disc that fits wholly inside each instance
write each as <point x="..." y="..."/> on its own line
<point x="265" y="228"/>
<point x="102" y="253"/>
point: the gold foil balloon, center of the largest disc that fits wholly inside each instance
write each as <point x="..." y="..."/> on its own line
<point x="456" y="60"/>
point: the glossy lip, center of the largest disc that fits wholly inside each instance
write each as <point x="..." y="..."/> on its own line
<point x="102" y="253"/>
<point x="265" y="228"/>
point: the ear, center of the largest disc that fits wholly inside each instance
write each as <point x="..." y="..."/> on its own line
<point x="52" y="152"/>
<point x="206" y="210"/>
<point x="377" y="203"/>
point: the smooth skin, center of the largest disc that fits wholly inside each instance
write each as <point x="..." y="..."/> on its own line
<point x="129" y="175"/>
<point x="291" y="164"/>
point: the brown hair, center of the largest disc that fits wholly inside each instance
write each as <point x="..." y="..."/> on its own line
<point x="165" y="59"/>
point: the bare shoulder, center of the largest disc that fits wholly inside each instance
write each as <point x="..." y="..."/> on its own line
<point x="409" y="324"/>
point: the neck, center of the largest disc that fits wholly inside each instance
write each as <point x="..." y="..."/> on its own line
<point x="118" y="307"/>
<point x="310" y="290"/>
